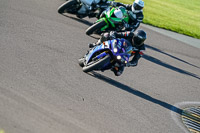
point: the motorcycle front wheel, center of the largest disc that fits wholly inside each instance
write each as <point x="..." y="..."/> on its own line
<point x="95" y="65"/>
<point x="81" y="62"/>
<point x="95" y="27"/>
<point x="68" y="6"/>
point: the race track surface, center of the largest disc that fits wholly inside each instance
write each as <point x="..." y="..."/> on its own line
<point x="43" y="89"/>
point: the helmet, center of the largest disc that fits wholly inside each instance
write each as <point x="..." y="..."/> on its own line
<point x="137" y="6"/>
<point x="139" y="38"/>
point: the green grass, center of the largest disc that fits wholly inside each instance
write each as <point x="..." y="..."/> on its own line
<point x="182" y="16"/>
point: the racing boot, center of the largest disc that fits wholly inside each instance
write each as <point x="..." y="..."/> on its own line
<point x="92" y="15"/>
<point x="117" y="69"/>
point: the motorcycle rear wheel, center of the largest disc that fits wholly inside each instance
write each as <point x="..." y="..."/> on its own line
<point x="95" y="27"/>
<point x="68" y="5"/>
<point x="95" y="65"/>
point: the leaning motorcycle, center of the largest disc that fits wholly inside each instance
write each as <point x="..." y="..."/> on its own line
<point x="79" y="7"/>
<point x="105" y="56"/>
<point x="114" y="18"/>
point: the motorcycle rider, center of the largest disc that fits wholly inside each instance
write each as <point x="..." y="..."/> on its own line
<point x="135" y="12"/>
<point x="134" y="39"/>
<point x="87" y="9"/>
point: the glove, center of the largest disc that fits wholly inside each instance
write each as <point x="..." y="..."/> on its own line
<point x="126" y="25"/>
<point x="112" y="35"/>
<point x="131" y="15"/>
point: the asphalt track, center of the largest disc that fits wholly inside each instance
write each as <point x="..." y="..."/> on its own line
<point x="43" y="89"/>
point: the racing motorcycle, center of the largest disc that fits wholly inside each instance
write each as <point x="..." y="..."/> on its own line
<point x="114" y="18"/>
<point x="106" y="56"/>
<point x="80" y="7"/>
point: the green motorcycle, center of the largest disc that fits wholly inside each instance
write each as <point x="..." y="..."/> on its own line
<point x="111" y="19"/>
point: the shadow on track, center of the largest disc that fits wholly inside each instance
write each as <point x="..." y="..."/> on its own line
<point x="158" y="50"/>
<point x="159" y="62"/>
<point x="136" y="92"/>
<point x="83" y="21"/>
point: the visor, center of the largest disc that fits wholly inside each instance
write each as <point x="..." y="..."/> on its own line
<point x="137" y="7"/>
<point x="138" y="40"/>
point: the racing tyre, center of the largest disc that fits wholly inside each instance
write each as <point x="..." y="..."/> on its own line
<point x="95" y="65"/>
<point x="95" y="27"/>
<point x="68" y="5"/>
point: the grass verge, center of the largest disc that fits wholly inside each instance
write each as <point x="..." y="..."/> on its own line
<point x="182" y="16"/>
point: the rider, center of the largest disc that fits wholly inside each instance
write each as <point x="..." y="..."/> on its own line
<point x="88" y="7"/>
<point x="135" y="12"/>
<point x="133" y="39"/>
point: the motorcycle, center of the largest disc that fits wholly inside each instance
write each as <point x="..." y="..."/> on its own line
<point x="83" y="8"/>
<point x="114" y="18"/>
<point x="106" y="56"/>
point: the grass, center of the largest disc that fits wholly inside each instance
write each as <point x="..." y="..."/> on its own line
<point x="182" y="16"/>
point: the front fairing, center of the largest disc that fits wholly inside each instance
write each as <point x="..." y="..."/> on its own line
<point x="123" y="50"/>
<point x="102" y="47"/>
<point x="112" y="19"/>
